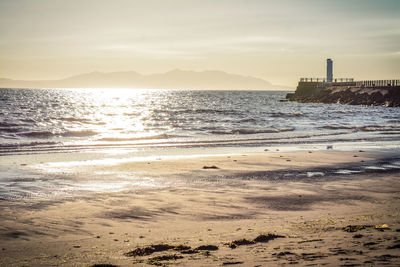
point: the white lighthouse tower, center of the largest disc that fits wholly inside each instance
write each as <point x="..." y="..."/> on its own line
<point x="329" y="70"/>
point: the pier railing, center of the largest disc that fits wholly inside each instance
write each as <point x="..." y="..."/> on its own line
<point x="368" y="83"/>
<point x="350" y="82"/>
<point x="323" y="80"/>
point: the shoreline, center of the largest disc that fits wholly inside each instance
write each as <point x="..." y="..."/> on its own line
<point x="247" y="195"/>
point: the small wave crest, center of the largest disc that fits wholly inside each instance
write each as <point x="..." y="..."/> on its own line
<point x="131" y="114"/>
<point x="27" y="144"/>
<point x="72" y="119"/>
<point x="366" y="128"/>
<point x="7" y="124"/>
<point x="80" y="133"/>
<point x="200" y="111"/>
<point x="80" y="120"/>
<point x="373" y="128"/>
<point x="137" y="138"/>
<point x="11" y="129"/>
<point x="37" y="134"/>
<point x="285" y="115"/>
<point x="48" y="134"/>
<point x="254" y="131"/>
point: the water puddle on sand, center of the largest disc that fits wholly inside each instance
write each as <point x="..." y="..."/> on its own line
<point x="375" y="168"/>
<point x="345" y="171"/>
<point x="33" y="184"/>
<point x="391" y="166"/>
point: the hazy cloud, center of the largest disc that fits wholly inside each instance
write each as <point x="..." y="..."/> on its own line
<point x="275" y="40"/>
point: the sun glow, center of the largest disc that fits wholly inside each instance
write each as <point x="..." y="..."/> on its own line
<point x="113" y="112"/>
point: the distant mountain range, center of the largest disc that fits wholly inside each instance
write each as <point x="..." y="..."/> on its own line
<point x="175" y="79"/>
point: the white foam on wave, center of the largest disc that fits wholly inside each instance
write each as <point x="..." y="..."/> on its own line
<point x="312" y="174"/>
<point x="344" y="171"/>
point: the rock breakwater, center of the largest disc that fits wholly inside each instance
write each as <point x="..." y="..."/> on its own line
<point x="344" y="94"/>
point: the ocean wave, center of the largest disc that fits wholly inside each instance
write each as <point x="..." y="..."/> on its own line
<point x="246" y="120"/>
<point x="207" y="118"/>
<point x="339" y="127"/>
<point x="254" y="131"/>
<point x="285" y="115"/>
<point x="11" y="129"/>
<point x="344" y="111"/>
<point x="199" y="111"/>
<point x="28" y="121"/>
<point x="8" y="124"/>
<point x="374" y="128"/>
<point x="28" y="144"/>
<point x="122" y="139"/>
<point x="364" y="128"/>
<point x="79" y="133"/>
<point x="131" y="114"/>
<point x="37" y="134"/>
<point x="228" y="120"/>
<point x="95" y="122"/>
<point x="48" y="134"/>
<point x="72" y="119"/>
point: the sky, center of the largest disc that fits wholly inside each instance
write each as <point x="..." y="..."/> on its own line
<point x="279" y="41"/>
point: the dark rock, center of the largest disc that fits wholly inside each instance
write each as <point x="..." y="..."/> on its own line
<point x="210" y="167"/>
<point x="240" y="242"/>
<point x="386" y="257"/>
<point x="284" y="253"/>
<point x="189" y="251"/>
<point x="354" y="228"/>
<point x="310" y="240"/>
<point x="313" y="256"/>
<point x="394" y="246"/>
<point x="103" y="265"/>
<point x="156" y="260"/>
<point x="232" y="245"/>
<point x="266" y="238"/>
<point x="14" y="234"/>
<point x="207" y="247"/>
<point x="182" y="247"/>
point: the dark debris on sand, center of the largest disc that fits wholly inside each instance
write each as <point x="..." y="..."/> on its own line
<point x="354" y="228"/>
<point x="103" y="265"/>
<point x="232" y="262"/>
<point x="394" y="246"/>
<point x="303" y="256"/>
<point x="184" y="249"/>
<point x="158" y="261"/>
<point x="207" y="247"/>
<point x="259" y="239"/>
<point x="210" y="167"/>
<point x="148" y="250"/>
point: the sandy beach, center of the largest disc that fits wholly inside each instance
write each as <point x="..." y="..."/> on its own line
<point x="262" y="209"/>
<point x="199" y="133"/>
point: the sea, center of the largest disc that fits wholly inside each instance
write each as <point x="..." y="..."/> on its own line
<point x="62" y="120"/>
<point x="129" y="124"/>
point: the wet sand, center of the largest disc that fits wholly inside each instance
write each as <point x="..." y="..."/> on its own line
<point x="261" y="209"/>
